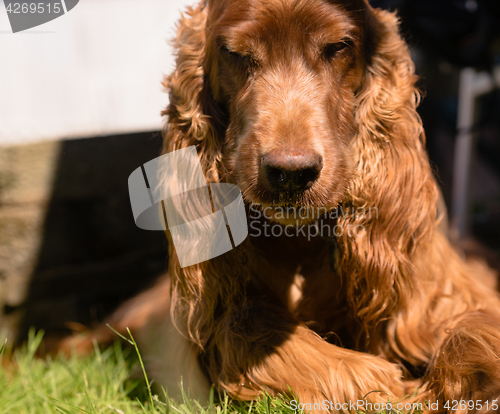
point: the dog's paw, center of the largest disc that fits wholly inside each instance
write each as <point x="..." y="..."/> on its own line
<point x="352" y="381"/>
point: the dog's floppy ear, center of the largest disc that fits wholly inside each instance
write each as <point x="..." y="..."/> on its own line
<point x="392" y="202"/>
<point x="192" y="112"/>
<point x="194" y="118"/>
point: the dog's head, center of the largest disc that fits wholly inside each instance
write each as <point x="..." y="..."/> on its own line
<point x="286" y="73"/>
<point x="282" y="96"/>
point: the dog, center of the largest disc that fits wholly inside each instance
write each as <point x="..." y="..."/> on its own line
<point x="309" y="107"/>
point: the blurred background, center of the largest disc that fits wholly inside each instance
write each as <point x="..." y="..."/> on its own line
<point x="80" y="102"/>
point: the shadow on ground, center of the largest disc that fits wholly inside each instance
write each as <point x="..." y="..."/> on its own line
<point x="92" y="256"/>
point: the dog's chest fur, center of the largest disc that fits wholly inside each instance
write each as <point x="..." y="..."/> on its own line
<point x="300" y="271"/>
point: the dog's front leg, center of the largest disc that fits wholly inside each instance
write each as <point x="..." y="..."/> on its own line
<point x="265" y="350"/>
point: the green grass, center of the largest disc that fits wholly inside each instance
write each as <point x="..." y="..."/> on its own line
<point x="100" y="383"/>
<point x="97" y="384"/>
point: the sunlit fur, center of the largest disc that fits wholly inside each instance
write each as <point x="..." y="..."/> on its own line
<point x="402" y="310"/>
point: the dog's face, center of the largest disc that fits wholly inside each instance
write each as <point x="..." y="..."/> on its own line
<point x="286" y="72"/>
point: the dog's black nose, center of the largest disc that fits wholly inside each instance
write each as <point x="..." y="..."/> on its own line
<point x="291" y="170"/>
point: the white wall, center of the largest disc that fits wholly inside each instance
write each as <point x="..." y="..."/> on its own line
<point x="96" y="70"/>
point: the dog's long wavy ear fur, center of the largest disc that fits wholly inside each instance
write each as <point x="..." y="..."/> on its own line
<point x="193" y="116"/>
<point x="391" y="213"/>
<point x="193" y="119"/>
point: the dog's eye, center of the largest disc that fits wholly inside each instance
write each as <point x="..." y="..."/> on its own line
<point x="245" y="59"/>
<point x="332" y="49"/>
<point x="228" y="52"/>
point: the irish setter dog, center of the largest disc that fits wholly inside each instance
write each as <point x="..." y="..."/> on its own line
<point x="309" y="107"/>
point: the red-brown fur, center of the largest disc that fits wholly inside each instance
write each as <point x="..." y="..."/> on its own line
<point x="401" y="309"/>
